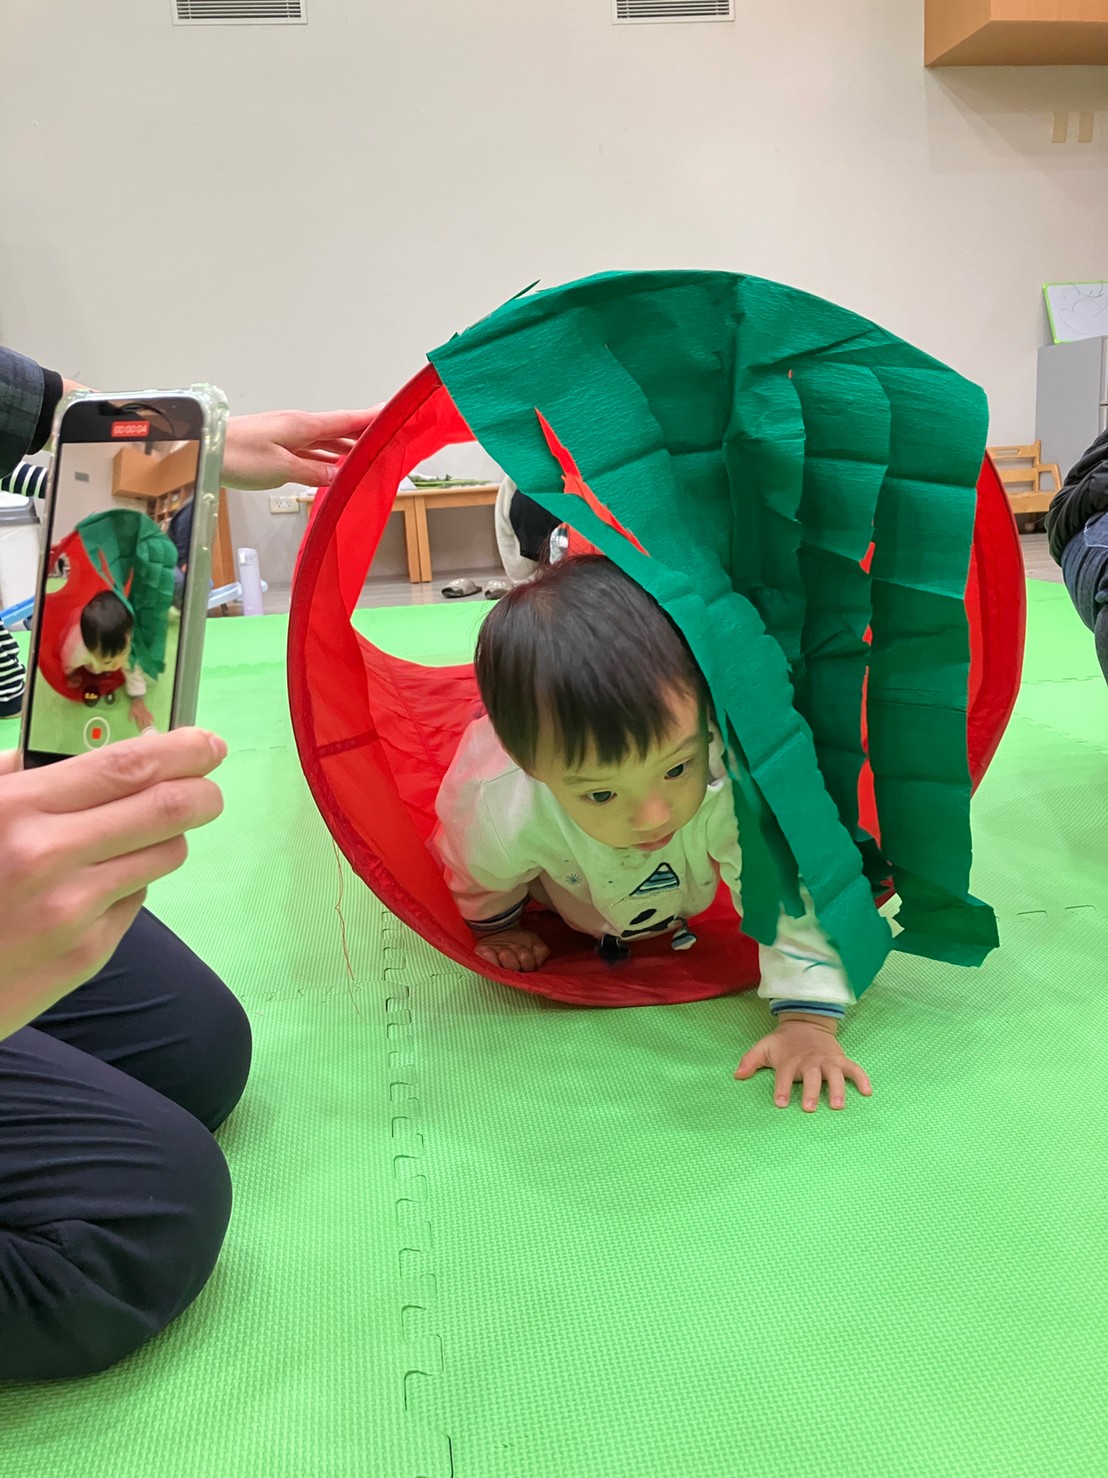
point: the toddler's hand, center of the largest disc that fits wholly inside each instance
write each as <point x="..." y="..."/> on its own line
<point x="514" y="949"/>
<point x="141" y="715"/>
<point x="805" y="1050"/>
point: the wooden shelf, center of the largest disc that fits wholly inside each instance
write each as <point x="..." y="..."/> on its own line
<point x="1016" y="33"/>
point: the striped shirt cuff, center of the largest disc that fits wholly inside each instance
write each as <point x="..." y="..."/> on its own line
<point x="12" y="674"/>
<point x="28" y="480"/>
<point x="811" y="1008"/>
<point x="499" y="921"/>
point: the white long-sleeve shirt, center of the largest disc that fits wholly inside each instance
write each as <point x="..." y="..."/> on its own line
<point x="502" y="837"/>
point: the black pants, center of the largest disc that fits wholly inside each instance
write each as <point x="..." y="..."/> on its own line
<point x="531" y="524"/>
<point x="1085" y="569"/>
<point x="114" y="1197"/>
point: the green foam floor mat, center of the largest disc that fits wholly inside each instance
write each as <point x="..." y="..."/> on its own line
<point x="477" y="1235"/>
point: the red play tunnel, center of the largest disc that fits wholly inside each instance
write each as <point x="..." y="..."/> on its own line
<point x="375" y="733"/>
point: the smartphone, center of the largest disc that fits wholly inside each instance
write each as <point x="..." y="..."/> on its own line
<point x="122" y="593"/>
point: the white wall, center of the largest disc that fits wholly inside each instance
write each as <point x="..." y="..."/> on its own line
<point x="91" y="492"/>
<point x="299" y="213"/>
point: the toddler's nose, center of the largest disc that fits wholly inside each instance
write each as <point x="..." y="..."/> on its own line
<point x="653" y="814"/>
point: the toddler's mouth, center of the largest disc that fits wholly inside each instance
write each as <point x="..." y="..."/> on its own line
<point x="655" y="846"/>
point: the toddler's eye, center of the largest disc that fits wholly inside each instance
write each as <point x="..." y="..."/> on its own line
<point x="600" y="797"/>
<point x="677" y="771"/>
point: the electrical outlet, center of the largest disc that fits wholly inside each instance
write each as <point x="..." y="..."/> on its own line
<point x="282" y="503"/>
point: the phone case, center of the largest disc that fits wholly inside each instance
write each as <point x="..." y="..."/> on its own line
<point x="194" y="615"/>
<point x="214" y="411"/>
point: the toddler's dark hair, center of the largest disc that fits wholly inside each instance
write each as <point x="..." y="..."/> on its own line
<point x="106" y="623"/>
<point x="584" y="650"/>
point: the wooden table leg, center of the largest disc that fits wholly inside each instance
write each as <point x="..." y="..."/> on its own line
<point x="425" y="573"/>
<point x="223" y="553"/>
<point x="411" y="540"/>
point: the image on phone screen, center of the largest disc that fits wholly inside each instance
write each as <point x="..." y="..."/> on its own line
<point x="116" y="574"/>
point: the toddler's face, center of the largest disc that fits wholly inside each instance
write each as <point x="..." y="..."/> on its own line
<point x="638" y="803"/>
<point x="98" y="663"/>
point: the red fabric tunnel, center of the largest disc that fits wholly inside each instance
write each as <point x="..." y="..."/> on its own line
<point x="376" y="733"/>
<point x="59" y="610"/>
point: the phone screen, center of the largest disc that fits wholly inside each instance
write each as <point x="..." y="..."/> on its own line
<point x="116" y="575"/>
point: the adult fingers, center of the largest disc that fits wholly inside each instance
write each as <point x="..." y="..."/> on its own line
<point x="120" y="877"/>
<point x="138" y="821"/>
<point x="329" y="425"/>
<point x="118" y="770"/>
<point x="813" y="1084"/>
<point x="318" y="454"/>
<point x="343" y="445"/>
<point x="858" y="1077"/>
<point x="312" y="473"/>
<point x="836" y="1087"/>
<point x="123" y="826"/>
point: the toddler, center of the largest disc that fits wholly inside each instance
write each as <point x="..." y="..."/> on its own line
<point x="596" y="786"/>
<point x="100" y="641"/>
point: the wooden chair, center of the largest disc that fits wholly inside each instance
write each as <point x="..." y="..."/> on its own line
<point x="1021" y="470"/>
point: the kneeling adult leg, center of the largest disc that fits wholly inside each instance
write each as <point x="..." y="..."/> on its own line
<point x="160" y="1014"/>
<point x="114" y="1199"/>
<point x="1085" y="569"/>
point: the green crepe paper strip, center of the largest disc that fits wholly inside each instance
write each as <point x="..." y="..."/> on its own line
<point x="132" y="547"/>
<point x="919" y="675"/>
<point x="846" y="419"/>
<point x="744" y="433"/>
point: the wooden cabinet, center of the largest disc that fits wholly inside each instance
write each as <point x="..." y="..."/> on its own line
<point x="160" y="485"/>
<point x="1016" y="33"/>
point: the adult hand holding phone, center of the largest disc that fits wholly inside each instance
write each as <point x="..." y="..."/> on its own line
<point x="80" y="842"/>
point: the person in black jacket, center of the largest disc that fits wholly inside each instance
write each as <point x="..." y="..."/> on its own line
<point x="1077" y="523"/>
<point x="120" y="1050"/>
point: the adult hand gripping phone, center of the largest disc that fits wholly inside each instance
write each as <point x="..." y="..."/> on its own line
<point x="122" y="594"/>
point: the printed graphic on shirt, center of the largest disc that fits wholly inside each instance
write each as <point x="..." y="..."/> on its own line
<point x="661" y="878"/>
<point x="648" y="922"/>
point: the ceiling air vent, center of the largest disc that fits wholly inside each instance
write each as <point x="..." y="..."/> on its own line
<point x="239" y="13"/>
<point x="645" y="12"/>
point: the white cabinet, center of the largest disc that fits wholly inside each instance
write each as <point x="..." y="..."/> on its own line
<point x="1072" y="402"/>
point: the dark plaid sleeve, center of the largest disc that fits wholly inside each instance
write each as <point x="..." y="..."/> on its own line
<point x="22" y="387"/>
<point x="51" y="394"/>
<point x="1084" y="494"/>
